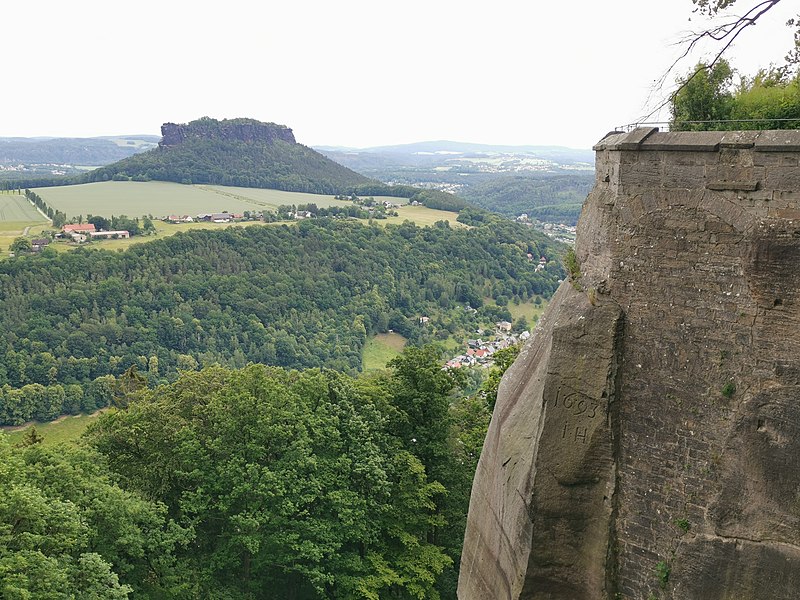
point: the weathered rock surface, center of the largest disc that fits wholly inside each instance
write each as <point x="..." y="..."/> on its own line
<point x="646" y="444"/>
<point x="244" y="130"/>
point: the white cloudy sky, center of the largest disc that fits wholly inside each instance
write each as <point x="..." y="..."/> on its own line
<point x="349" y="72"/>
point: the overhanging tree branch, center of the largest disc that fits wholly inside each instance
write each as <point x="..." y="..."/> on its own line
<point x="724" y="33"/>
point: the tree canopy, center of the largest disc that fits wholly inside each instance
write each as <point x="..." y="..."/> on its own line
<point x="310" y="484"/>
<point x="708" y="99"/>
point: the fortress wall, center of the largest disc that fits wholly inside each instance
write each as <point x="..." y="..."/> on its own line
<point x="683" y="332"/>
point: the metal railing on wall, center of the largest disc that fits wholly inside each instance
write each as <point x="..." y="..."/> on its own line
<point x="723" y="124"/>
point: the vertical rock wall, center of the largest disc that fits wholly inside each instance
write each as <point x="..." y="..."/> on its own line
<point x="646" y="443"/>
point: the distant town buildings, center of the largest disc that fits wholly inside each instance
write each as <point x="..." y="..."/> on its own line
<point x="479" y="353"/>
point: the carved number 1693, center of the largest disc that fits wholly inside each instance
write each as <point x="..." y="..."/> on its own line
<point x="578" y="406"/>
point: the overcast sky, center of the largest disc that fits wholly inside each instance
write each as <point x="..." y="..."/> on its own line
<point x="349" y="72"/>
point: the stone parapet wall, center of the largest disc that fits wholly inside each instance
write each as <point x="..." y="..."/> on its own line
<point x="694" y="237"/>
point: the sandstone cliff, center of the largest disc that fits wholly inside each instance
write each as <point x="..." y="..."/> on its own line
<point x="645" y="445"/>
<point x="243" y="130"/>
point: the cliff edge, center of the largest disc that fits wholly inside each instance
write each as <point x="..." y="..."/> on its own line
<point x="243" y="130"/>
<point x="645" y="445"/>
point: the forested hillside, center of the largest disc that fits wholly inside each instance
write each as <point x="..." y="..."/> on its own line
<point x="256" y="483"/>
<point x="239" y="152"/>
<point x="551" y="199"/>
<point x="293" y="296"/>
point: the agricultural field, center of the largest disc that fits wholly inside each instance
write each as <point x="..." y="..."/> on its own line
<point x="18" y="217"/>
<point x="15" y="208"/>
<point x="163" y="198"/>
<point x="423" y="216"/>
<point x="381" y="349"/>
<point x="272" y="199"/>
<point x="418" y="214"/>
<point x="160" y="198"/>
<point x="134" y="199"/>
<point x="64" y="429"/>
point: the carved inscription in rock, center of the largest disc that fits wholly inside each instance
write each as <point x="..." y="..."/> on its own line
<point x="578" y="412"/>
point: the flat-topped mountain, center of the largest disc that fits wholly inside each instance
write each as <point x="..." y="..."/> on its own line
<point x="241" y="152"/>
<point x="243" y="130"/>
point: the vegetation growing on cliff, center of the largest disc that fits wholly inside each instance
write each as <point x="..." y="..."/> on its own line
<point x="709" y="100"/>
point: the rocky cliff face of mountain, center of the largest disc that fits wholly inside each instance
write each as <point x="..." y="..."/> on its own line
<point x="646" y="443"/>
<point x="243" y="130"/>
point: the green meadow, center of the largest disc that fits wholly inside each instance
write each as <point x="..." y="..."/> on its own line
<point x="18" y="217"/>
<point x="423" y="216"/>
<point x="160" y="198"/>
<point x="381" y="349"/>
<point x="64" y="429"/>
<point x="164" y="198"/>
<point x="529" y="310"/>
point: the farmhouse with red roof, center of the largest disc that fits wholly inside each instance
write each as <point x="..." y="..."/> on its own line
<point x="79" y="228"/>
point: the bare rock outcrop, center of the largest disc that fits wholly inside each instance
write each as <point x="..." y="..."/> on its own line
<point x="243" y="130"/>
<point x="646" y="443"/>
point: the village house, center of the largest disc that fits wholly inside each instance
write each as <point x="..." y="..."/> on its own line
<point x="78" y="228"/>
<point x="503" y="326"/>
<point x="111" y="235"/>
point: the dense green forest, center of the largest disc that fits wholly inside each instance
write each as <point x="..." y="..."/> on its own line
<point x="276" y="165"/>
<point x="252" y="483"/>
<point x="710" y="98"/>
<point x="551" y="199"/>
<point x="299" y="296"/>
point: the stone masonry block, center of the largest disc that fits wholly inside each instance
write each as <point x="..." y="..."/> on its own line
<point x="782" y="179"/>
<point x="686" y="177"/>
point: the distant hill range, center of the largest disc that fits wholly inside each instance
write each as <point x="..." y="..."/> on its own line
<point x="73" y="151"/>
<point x="546" y="183"/>
<point x="239" y="152"/>
<point x="462" y="156"/>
